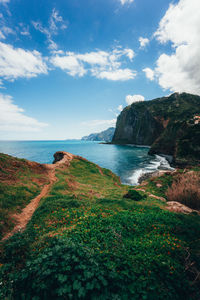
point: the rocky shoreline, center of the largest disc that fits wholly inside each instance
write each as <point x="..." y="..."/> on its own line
<point x="158" y="173"/>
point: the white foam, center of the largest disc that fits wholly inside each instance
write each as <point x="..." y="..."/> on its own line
<point x="134" y="178"/>
<point x="157" y="163"/>
<point x="164" y="164"/>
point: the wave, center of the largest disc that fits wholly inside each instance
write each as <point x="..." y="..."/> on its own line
<point x="156" y="164"/>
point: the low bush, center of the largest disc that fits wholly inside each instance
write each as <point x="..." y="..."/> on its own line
<point x="186" y="189"/>
<point x="134" y="195"/>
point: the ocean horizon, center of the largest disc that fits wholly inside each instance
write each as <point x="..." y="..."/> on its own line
<point x="129" y="162"/>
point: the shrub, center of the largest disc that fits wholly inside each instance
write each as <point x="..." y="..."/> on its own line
<point x="186" y="189"/>
<point x="134" y="195"/>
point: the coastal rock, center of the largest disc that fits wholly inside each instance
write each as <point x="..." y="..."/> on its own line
<point x="62" y="157"/>
<point x="166" y="124"/>
<point x="147" y="175"/>
<point x="180" y="208"/>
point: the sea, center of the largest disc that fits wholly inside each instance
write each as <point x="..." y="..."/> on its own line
<point x="127" y="161"/>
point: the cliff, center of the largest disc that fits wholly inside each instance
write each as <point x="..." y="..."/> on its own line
<point x="170" y="125"/>
<point x="105" y="136"/>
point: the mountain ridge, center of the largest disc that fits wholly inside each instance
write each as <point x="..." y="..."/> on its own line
<point x="105" y="135"/>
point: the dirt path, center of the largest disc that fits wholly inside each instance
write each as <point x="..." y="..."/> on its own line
<point x="24" y="217"/>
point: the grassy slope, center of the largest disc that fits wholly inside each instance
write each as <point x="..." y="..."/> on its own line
<point x="85" y="241"/>
<point x="20" y="181"/>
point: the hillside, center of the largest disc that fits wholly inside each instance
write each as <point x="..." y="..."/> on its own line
<point x="20" y="181"/>
<point x="170" y="125"/>
<point x="93" y="238"/>
<point x="104" y="136"/>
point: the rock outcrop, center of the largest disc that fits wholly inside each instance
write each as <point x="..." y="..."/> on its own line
<point x="169" y="125"/>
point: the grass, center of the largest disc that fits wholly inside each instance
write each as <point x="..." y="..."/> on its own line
<point x="19" y="183"/>
<point x="88" y="240"/>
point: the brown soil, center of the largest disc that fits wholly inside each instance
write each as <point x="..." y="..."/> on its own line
<point x="156" y="197"/>
<point x="24" y="217"/>
<point x="100" y="171"/>
<point x="12" y="168"/>
<point x="72" y="185"/>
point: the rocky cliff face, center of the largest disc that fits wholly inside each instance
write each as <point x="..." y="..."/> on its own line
<point x="136" y="125"/>
<point x="169" y="125"/>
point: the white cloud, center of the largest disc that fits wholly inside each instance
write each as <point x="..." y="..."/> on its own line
<point x="24" y="30"/>
<point x="129" y="53"/>
<point x="126" y="1"/>
<point x="181" y="26"/>
<point x="120" y="108"/>
<point x="69" y="63"/>
<point x="56" y="22"/>
<point x="12" y="117"/>
<point x="94" y="58"/>
<point x="149" y="73"/>
<point x="54" y="19"/>
<point x="100" y="64"/>
<point x="115" y="75"/>
<point x="134" y="98"/>
<point x="7" y="30"/>
<point x="52" y="45"/>
<point x="38" y="26"/>
<point x="143" y="42"/>
<point x="17" y="62"/>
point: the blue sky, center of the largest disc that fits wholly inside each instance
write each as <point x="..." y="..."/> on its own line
<point x="67" y="68"/>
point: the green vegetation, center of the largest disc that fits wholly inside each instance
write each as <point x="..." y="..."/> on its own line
<point x="181" y="186"/>
<point x="166" y="124"/>
<point x="88" y="240"/>
<point x="19" y="183"/>
<point x="134" y="195"/>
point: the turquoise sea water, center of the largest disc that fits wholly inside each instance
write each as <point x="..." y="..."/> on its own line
<point x="128" y="162"/>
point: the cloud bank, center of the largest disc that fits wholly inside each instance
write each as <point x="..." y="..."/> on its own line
<point x="17" y="62"/>
<point x="181" y="26"/>
<point x="100" y="64"/>
<point x="12" y="117"/>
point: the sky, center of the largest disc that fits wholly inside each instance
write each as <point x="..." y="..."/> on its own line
<point x="68" y="68"/>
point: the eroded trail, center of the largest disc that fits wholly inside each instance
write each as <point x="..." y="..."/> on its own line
<point x="24" y="217"/>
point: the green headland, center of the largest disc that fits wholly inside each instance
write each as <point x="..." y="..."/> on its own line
<point x="90" y="237"/>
